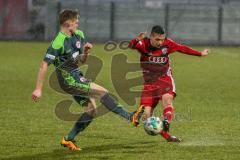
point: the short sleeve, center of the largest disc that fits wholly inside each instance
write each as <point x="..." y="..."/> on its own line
<point x="55" y="49"/>
<point x="51" y="54"/>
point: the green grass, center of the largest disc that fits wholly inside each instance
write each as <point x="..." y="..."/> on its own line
<point x="208" y="93"/>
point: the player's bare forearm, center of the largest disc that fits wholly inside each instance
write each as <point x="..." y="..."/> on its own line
<point x="84" y="57"/>
<point x="41" y="75"/>
<point x="39" y="84"/>
<point x="87" y="48"/>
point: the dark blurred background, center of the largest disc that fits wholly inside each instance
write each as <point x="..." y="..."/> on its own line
<point x="201" y="22"/>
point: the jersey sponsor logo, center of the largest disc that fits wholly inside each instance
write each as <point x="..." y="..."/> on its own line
<point x="78" y="44"/>
<point x="158" y="60"/>
<point x="52" y="57"/>
<point x="75" y="54"/>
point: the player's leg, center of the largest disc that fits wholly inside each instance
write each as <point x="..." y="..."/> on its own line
<point x="107" y="100"/>
<point x="168" y="114"/>
<point x="168" y="110"/>
<point x="148" y="111"/>
<point x="76" y="84"/>
<point x="167" y="92"/>
<point x="84" y="120"/>
<point x="147" y="102"/>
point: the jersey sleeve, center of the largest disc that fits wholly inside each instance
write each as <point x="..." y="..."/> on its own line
<point x="53" y="51"/>
<point x="182" y="48"/>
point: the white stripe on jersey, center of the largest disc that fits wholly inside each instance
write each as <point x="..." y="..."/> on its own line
<point x="52" y="57"/>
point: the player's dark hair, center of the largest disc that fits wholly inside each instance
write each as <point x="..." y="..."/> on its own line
<point x="67" y="14"/>
<point x="157" y="29"/>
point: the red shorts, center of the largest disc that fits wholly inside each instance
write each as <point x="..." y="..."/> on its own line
<point x="152" y="91"/>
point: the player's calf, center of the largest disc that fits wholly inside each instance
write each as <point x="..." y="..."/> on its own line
<point x="168" y="113"/>
<point x="168" y="110"/>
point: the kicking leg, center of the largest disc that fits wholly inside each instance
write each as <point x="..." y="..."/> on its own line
<point x="108" y="101"/>
<point x="147" y="104"/>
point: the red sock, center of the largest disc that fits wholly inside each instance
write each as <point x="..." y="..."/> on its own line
<point x="165" y="134"/>
<point x="168" y="113"/>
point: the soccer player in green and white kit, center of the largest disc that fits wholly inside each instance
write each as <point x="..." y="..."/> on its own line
<point x="64" y="52"/>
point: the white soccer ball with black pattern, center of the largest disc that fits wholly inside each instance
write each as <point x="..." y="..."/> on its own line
<point x="153" y="126"/>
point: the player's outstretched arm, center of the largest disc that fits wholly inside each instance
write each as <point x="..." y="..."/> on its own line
<point x="86" y="50"/>
<point x="187" y="50"/>
<point x="37" y="93"/>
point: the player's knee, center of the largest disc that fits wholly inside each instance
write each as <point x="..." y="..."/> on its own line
<point x="92" y="111"/>
<point x="167" y="100"/>
<point x="97" y="90"/>
<point x="103" y="92"/>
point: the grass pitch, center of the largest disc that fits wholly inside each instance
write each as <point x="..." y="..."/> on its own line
<point x="207" y="107"/>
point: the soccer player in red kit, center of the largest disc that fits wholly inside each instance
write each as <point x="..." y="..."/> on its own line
<point x="157" y="74"/>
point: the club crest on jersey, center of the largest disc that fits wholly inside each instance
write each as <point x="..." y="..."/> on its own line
<point x="164" y="50"/>
<point x="78" y="44"/>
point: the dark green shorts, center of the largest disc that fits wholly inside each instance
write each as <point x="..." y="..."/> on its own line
<point x="76" y="84"/>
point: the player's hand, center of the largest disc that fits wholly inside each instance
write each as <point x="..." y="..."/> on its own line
<point x="88" y="46"/>
<point x="141" y="36"/>
<point x="205" y="52"/>
<point x="36" y="95"/>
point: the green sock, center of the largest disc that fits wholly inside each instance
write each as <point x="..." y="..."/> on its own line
<point x="113" y="106"/>
<point x="79" y="126"/>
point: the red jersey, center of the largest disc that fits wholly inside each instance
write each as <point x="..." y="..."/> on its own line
<point x="155" y="62"/>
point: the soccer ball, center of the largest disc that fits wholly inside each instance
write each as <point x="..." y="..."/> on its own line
<point x="153" y="126"/>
